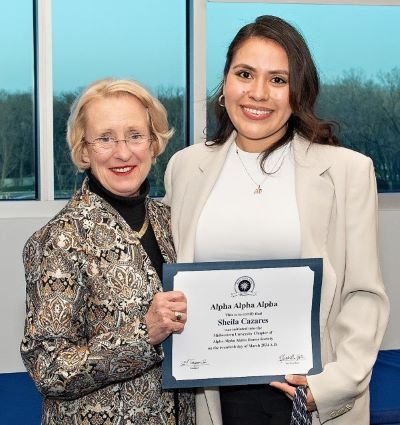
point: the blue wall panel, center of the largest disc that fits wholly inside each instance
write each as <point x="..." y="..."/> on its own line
<point x="20" y="401"/>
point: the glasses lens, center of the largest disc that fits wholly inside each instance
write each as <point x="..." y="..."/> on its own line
<point x="104" y="143"/>
<point x="137" y="141"/>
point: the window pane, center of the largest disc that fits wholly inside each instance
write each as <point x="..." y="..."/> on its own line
<point x="141" y="40"/>
<point x="357" y="53"/>
<point x="17" y="131"/>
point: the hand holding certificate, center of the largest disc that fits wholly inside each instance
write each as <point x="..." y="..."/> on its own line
<point x="248" y="322"/>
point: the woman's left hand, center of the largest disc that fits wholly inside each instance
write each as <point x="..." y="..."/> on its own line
<point x="289" y="388"/>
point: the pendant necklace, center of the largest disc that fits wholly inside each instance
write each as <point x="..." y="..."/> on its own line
<point x="258" y="190"/>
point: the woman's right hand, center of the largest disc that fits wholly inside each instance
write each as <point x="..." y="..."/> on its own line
<point x="166" y="315"/>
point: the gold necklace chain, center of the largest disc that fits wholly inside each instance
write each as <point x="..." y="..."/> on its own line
<point x="258" y="190"/>
<point x="144" y="227"/>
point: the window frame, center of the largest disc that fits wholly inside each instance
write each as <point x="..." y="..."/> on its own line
<point x="46" y="205"/>
<point x="44" y="101"/>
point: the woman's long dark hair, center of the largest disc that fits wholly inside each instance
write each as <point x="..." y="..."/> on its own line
<point x="303" y="85"/>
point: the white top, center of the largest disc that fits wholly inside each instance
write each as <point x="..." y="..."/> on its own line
<point x="238" y="224"/>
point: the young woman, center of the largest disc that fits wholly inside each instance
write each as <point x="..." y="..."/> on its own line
<point x="271" y="184"/>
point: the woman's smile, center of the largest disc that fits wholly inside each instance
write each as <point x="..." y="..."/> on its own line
<point x="256" y="113"/>
<point x="122" y="170"/>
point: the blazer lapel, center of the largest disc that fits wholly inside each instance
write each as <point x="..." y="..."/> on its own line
<point x="315" y="200"/>
<point x="198" y="189"/>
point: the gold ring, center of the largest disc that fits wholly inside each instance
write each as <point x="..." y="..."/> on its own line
<point x="178" y="316"/>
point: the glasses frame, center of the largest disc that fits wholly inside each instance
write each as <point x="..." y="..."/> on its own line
<point x="113" y="145"/>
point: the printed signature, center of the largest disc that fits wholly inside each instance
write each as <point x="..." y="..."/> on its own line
<point x="194" y="364"/>
<point x="289" y="358"/>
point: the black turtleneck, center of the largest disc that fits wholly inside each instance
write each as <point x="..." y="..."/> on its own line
<point x="133" y="211"/>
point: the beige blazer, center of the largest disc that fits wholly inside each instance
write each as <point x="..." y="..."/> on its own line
<point x="337" y="203"/>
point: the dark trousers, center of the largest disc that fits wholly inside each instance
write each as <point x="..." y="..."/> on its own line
<point x="254" y="405"/>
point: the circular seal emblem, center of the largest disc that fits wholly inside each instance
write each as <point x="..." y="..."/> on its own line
<point x="244" y="285"/>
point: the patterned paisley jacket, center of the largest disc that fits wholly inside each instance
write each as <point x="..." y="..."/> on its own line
<point x="89" y="284"/>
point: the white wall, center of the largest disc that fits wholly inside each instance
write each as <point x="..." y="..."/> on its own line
<point x="17" y="222"/>
<point x="389" y="238"/>
<point x="15" y="230"/>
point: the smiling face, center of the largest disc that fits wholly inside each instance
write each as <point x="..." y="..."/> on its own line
<point x="121" y="170"/>
<point x="256" y="91"/>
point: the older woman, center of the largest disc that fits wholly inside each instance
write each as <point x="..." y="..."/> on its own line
<point x="95" y="313"/>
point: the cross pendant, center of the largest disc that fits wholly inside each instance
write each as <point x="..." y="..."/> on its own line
<point x="258" y="190"/>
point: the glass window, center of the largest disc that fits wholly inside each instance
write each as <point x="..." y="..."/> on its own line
<point x="17" y="129"/>
<point x="357" y="53"/>
<point x="142" y="40"/>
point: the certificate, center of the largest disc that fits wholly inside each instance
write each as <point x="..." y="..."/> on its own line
<point x="248" y="322"/>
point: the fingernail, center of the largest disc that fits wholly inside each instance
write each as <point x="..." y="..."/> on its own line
<point x="288" y="377"/>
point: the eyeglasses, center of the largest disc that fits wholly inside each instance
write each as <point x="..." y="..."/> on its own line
<point x="134" y="141"/>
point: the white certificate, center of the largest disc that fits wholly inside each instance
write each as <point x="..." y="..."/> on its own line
<point x="248" y="322"/>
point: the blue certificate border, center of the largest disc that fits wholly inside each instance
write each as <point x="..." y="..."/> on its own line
<point x="170" y="270"/>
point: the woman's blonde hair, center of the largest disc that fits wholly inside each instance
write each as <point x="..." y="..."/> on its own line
<point x="158" y="122"/>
